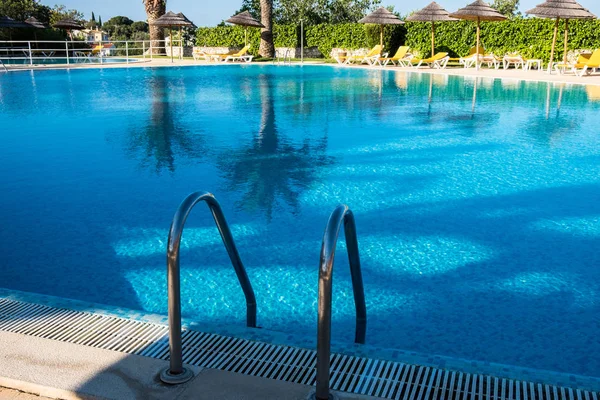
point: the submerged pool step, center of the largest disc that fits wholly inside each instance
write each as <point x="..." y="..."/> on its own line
<point x="360" y="375"/>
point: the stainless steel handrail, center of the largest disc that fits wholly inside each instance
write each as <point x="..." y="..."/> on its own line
<point x="341" y="214"/>
<point x="4" y="66"/>
<point x="176" y="373"/>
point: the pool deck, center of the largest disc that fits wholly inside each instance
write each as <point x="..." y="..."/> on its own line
<point x="55" y="369"/>
<point x="513" y="74"/>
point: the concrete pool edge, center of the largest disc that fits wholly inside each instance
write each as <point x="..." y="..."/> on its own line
<point x="511" y="75"/>
<point x="301" y="341"/>
<point x="55" y="369"/>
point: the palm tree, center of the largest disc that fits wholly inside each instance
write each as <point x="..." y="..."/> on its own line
<point x="267" y="48"/>
<point x="155" y="9"/>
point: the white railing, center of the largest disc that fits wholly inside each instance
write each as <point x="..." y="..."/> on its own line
<point x="30" y="52"/>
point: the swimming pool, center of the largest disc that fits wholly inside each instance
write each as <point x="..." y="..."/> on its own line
<point x="477" y="201"/>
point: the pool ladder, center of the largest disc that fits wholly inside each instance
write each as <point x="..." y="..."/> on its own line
<point x="176" y="373"/>
<point x="3" y="66"/>
<point x="286" y="59"/>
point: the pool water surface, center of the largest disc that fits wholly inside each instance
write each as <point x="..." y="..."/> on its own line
<point x="477" y="202"/>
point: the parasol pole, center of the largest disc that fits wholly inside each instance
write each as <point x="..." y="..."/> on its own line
<point x="180" y="44"/>
<point x="432" y="38"/>
<point x="477" y="51"/>
<point x="381" y="37"/>
<point x="245" y="36"/>
<point x="566" y="40"/>
<point x="171" y="41"/>
<point x="553" y="45"/>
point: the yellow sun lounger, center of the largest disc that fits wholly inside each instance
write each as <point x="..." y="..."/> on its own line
<point x="582" y="66"/>
<point x="371" y="57"/>
<point x="238" y="56"/>
<point x="399" y="57"/>
<point x="438" y="61"/>
<point x="470" y="60"/>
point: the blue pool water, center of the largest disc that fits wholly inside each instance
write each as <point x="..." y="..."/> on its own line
<point x="478" y="217"/>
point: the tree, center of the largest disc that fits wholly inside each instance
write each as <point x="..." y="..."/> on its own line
<point x="119" y="20"/>
<point x="20" y="10"/>
<point x="510" y="8"/>
<point x="342" y="11"/>
<point x="267" y="47"/>
<point x="60" y="12"/>
<point x="253" y="7"/>
<point x="154" y="10"/>
<point x="92" y="24"/>
<point x="139" y="26"/>
<point x="100" y="21"/>
<point x="293" y="11"/>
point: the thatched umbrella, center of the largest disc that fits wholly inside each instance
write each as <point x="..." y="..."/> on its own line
<point x="34" y="23"/>
<point x="432" y="13"/>
<point x="566" y="9"/>
<point x="68" y="24"/>
<point x="381" y="16"/>
<point x="246" y="20"/>
<point x="9" y="23"/>
<point x="170" y="20"/>
<point x="478" y="11"/>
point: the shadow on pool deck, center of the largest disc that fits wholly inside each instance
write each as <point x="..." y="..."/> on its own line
<point x="61" y="370"/>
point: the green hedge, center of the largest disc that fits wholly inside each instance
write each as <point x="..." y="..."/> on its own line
<point x="233" y="36"/>
<point x="323" y="36"/>
<point x="532" y="37"/>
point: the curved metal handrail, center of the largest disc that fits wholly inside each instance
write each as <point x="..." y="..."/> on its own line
<point x="2" y="63"/>
<point x="341" y="214"/>
<point x="176" y="373"/>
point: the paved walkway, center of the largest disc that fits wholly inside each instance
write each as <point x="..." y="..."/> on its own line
<point x="10" y="394"/>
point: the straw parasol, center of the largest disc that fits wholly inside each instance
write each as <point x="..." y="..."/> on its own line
<point x="9" y="23"/>
<point x="68" y="24"/>
<point x="246" y="20"/>
<point x="432" y="13"/>
<point x="478" y="11"/>
<point x="33" y="22"/>
<point x="566" y="9"/>
<point x="381" y="16"/>
<point x="170" y="20"/>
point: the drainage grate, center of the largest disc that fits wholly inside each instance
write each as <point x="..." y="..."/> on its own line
<point x="358" y="375"/>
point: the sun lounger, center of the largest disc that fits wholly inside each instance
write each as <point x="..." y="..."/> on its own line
<point x="201" y="55"/>
<point x="400" y="57"/>
<point x="582" y="66"/>
<point x="438" y="61"/>
<point x="341" y="57"/>
<point x="490" y="60"/>
<point x="470" y="60"/>
<point x="516" y="60"/>
<point x="371" y="57"/>
<point x="241" y="55"/>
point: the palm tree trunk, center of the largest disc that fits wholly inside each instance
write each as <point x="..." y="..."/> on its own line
<point x="267" y="48"/>
<point x="154" y="10"/>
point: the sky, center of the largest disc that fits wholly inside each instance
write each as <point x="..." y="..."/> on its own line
<point x="210" y="13"/>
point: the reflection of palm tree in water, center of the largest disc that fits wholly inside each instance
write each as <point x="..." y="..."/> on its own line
<point x="163" y="139"/>
<point x="272" y="167"/>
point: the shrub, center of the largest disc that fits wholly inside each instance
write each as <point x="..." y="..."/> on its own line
<point x="531" y="37"/>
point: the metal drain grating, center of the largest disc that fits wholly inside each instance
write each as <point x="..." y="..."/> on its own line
<point x="358" y="375"/>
